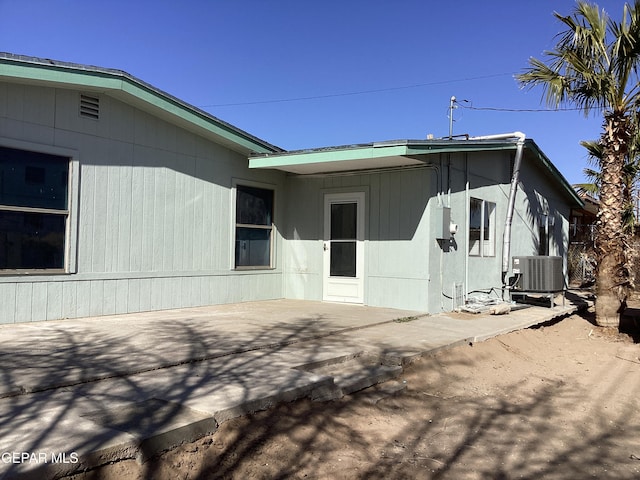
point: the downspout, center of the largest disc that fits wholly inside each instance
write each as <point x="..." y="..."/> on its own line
<point x="466" y="222"/>
<point x="506" y="239"/>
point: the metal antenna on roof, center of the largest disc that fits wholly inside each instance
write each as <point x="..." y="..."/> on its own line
<point x="452" y="105"/>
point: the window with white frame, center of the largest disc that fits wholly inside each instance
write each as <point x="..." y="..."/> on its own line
<point x="482" y="228"/>
<point x="34" y="210"/>
<point x="254" y="227"/>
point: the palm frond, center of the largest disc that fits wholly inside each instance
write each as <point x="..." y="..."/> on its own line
<point x="588" y="188"/>
<point x="593" y="175"/>
<point x="594" y="149"/>
<point x="595" y="63"/>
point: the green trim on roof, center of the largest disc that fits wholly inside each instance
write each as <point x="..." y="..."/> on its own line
<point x="325" y="156"/>
<point x="406" y="148"/>
<point x="120" y="83"/>
<point x="531" y="145"/>
<point x="361" y="152"/>
<point x="47" y="73"/>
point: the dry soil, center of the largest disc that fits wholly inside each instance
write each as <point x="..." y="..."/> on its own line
<point x="555" y="402"/>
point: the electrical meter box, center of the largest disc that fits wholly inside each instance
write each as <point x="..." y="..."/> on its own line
<point x="443" y="222"/>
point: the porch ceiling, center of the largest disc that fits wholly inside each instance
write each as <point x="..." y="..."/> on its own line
<point x="362" y="157"/>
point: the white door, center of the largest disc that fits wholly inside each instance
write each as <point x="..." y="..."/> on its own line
<point x="344" y="247"/>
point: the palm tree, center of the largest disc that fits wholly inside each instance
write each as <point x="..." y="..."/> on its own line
<point x="631" y="171"/>
<point x="594" y="66"/>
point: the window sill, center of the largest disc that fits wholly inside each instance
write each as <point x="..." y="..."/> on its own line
<point x="252" y="269"/>
<point x="33" y="272"/>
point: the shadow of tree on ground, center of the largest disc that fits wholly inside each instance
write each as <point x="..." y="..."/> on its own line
<point x="81" y="401"/>
<point x="446" y="425"/>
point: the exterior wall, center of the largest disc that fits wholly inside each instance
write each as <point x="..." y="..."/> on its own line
<point x="396" y="235"/>
<point x="538" y="196"/>
<point x="152" y="227"/>
<point x="486" y="174"/>
<point x="152" y="224"/>
<point x="489" y="177"/>
<point x="408" y="264"/>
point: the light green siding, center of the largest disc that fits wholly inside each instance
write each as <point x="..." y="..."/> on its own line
<point x="152" y="217"/>
<point x="154" y="212"/>
<point x="396" y="235"/>
<point x="407" y="263"/>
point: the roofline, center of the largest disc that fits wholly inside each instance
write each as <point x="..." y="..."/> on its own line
<point x="411" y="147"/>
<point x="122" y="84"/>
<point x="407" y="148"/>
<point x="554" y="171"/>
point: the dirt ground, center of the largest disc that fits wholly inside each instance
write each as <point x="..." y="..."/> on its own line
<point x="555" y="402"/>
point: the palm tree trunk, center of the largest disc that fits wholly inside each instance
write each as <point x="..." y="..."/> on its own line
<point x="612" y="275"/>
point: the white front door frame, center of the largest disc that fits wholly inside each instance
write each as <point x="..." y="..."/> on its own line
<point x="347" y="282"/>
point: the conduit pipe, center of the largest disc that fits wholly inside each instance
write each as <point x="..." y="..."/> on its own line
<point x="506" y="238"/>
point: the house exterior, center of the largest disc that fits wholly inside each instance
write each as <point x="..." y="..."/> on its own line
<point x="409" y="196"/>
<point x="116" y="197"/>
<point x="129" y="191"/>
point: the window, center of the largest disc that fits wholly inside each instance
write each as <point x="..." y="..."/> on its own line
<point x="482" y="228"/>
<point x="545" y="229"/>
<point x="254" y="227"/>
<point x="34" y="210"/>
<point x="344" y="238"/>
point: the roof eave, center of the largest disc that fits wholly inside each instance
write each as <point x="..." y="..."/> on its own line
<point x="555" y="173"/>
<point x="125" y="87"/>
<point x="390" y="154"/>
<point x="365" y="156"/>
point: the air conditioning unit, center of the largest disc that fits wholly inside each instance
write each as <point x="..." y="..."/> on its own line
<point x="538" y="274"/>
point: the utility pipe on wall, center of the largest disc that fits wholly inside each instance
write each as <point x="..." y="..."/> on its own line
<point x="506" y="238"/>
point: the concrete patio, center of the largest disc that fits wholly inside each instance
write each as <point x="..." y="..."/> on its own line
<point x="79" y="393"/>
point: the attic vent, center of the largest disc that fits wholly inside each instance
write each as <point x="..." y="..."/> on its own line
<point x="89" y="107"/>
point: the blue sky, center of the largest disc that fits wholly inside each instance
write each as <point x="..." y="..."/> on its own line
<point x="303" y="74"/>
